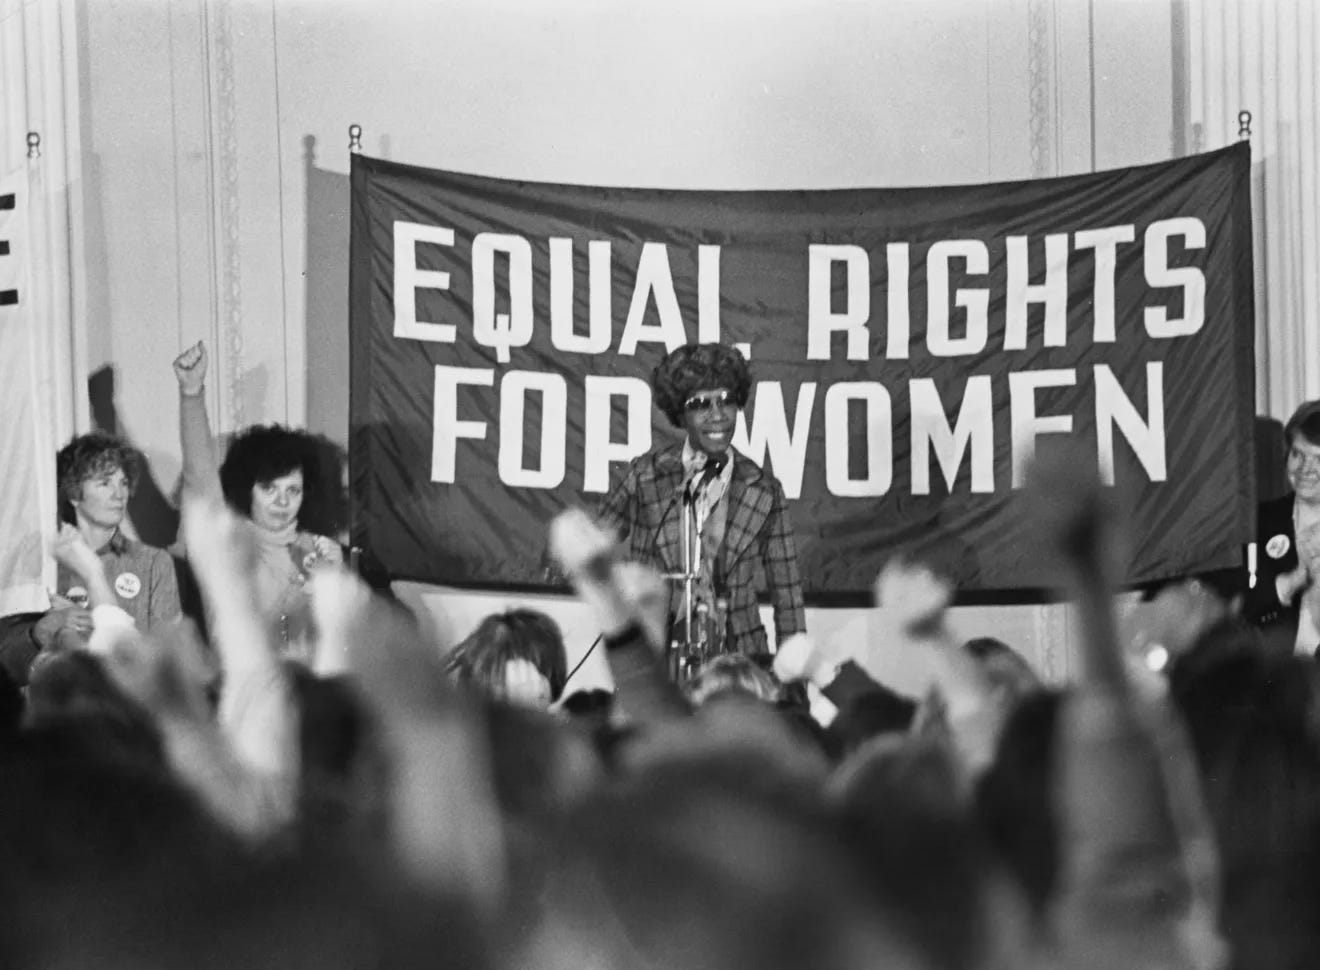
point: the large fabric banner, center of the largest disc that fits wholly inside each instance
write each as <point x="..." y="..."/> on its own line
<point x="27" y="435"/>
<point x="911" y="349"/>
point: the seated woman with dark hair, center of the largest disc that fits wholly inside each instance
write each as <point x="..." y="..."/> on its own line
<point x="263" y="477"/>
<point x="516" y="656"/>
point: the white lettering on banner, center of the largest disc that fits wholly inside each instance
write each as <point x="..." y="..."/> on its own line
<point x="654" y="278"/>
<point x="447" y="427"/>
<point x="600" y="325"/>
<point x="766" y="434"/>
<point x="1113" y="409"/>
<point x="973" y="431"/>
<point x="653" y="284"/>
<point x="408" y="279"/>
<point x="513" y="424"/>
<point x="598" y="450"/>
<point x="1025" y="423"/>
<point x="768" y="437"/>
<point x="1189" y="278"/>
<point x="1053" y="293"/>
<point x="976" y="302"/>
<point x="501" y="331"/>
<point x="1105" y="242"/>
<point x="822" y="321"/>
<point x="879" y="439"/>
<point x="899" y="325"/>
<point x="708" y="294"/>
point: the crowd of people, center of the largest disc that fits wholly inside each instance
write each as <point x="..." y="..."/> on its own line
<point x="297" y="776"/>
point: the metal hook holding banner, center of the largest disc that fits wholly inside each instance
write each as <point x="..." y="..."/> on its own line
<point x="355" y="138"/>
<point x="1244" y="125"/>
<point x="34" y="144"/>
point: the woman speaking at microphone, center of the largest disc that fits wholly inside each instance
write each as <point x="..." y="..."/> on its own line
<point x="736" y="509"/>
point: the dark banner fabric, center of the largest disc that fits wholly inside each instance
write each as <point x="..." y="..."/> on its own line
<point x="910" y="350"/>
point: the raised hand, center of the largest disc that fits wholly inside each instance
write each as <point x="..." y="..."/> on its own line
<point x="798" y="659"/>
<point x="914" y="594"/>
<point x="71" y="549"/>
<point x="325" y="552"/>
<point x="340" y="603"/>
<point x="166" y="672"/>
<point x="526" y="686"/>
<point x="65" y="625"/>
<point x="1078" y="521"/>
<point x="190" y="369"/>
<point x="1288" y="585"/>
<point x="589" y="554"/>
<point x="73" y="552"/>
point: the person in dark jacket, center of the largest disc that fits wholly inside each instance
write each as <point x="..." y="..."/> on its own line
<point x="1283" y="588"/>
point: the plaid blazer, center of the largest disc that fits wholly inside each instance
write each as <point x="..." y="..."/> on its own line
<point x="645" y="508"/>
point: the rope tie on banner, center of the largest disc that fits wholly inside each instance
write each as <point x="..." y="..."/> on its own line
<point x="355" y="138"/>
<point x="1244" y="125"/>
<point x="34" y="144"/>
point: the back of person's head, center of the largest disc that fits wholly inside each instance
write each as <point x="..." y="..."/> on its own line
<point x="84" y="829"/>
<point x="344" y="771"/>
<point x="538" y="762"/>
<point x="731" y="672"/>
<point x="71" y="689"/>
<point x="1015" y="799"/>
<point x="261" y="454"/>
<point x="481" y="661"/>
<point x="868" y="716"/>
<point x="11" y="708"/>
<point x="1006" y="670"/>
<point x="1251" y="718"/>
<point x="682" y="866"/>
<point x="903" y="807"/>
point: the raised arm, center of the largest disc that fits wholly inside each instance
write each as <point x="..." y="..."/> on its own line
<point x="74" y="554"/>
<point x="201" y="471"/>
<point x="1128" y="897"/>
<point x="629" y="602"/>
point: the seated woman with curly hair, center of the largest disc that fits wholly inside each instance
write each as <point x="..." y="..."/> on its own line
<point x="96" y="474"/>
<point x="740" y="518"/>
<point x="263" y="477"/>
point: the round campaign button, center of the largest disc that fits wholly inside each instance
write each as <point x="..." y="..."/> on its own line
<point x="127" y="585"/>
<point x="1277" y="547"/>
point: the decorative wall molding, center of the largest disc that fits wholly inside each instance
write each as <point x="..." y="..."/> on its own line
<point x="1262" y="56"/>
<point x="1040" y="79"/>
<point x="224" y="146"/>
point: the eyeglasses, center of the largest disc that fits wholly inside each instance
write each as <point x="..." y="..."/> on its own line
<point x="708" y="402"/>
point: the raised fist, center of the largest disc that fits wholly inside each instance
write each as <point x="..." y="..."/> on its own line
<point x="190" y="369"/>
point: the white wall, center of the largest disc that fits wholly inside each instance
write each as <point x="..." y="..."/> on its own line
<point x="214" y="140"/>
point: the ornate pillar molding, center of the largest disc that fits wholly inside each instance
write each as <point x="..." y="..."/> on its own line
<point x="1040" y="78"/>
<point x="223" y="146"/>
<point x="1261" y="56"/>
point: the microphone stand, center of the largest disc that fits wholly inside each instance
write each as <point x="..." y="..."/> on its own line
<point x="686" y="655"/>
